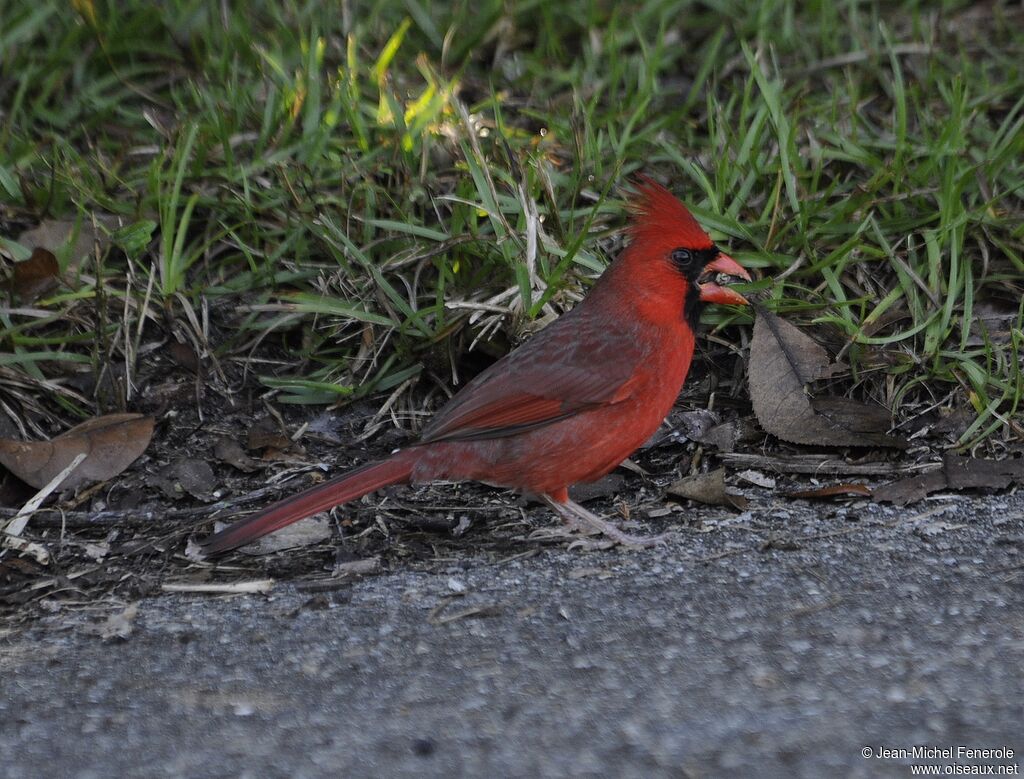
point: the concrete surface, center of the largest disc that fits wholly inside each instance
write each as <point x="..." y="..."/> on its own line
<point x="777" y="643"/>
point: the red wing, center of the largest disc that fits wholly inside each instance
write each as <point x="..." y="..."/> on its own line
<point x="502" y="405"/>
<point x="574" y="364"/>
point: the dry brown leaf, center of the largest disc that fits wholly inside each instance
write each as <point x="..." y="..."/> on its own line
<point x="69" y="240"/>
<point x="111" y="443"/>
<point x="184" y="355"/>
<point x="993" y="319"/>
<point x="956" y="473"/>
<point x="708" y="488"/>
<point x="35" y="276"/>
<point x="695" y="424"/>
<point x="723" y="437"/>
<point x="186" y="475"/>
<point x="265" y="433"/>
<point x="705" y="427"/>
<point x="783" y="360"/>
<point x="229" y="451"/>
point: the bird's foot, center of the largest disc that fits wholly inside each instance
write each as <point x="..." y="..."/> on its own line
<point x="583" y="536"/>
<point x="580" y="522"/>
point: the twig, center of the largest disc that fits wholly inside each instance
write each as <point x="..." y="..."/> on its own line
<point x="818" y="464"/>
<point x="147" y="515"/>
<point x="227" y="588"/>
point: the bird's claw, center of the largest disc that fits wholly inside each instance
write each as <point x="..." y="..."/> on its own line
<point x="592" y="544"/>
<point x="580" y="522"/>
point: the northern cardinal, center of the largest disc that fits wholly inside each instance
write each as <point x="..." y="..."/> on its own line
<point x="572" y="402"/>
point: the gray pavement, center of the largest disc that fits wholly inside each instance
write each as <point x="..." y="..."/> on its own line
<point x="777" y="643"/>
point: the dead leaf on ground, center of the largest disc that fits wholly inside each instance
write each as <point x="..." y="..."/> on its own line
<point x="35" y="276"/>
<point x="297" y="535"/>
<point x="695" y="424"/>
<point x="327" y="426"/>
<point x="783" y="361"/>
<point x="956" y="473"/>
<point x="832" y="491"/>
<point x="757" y="478"/>
<point x="70" y="240"/>
<point x="953" y="422"/>
<point x="602" y="488"/>
<point x="723" y="437"/>
<point x="184" y="355"/>
<point x="189" y="475"/>
<point x="705" y="427"/>
<point x="111" y="443"/>
<point x="993" y="320"/>
<point x="229" y="451"/>
<point x="266" y="434"/>
<point x="708" y="488"/>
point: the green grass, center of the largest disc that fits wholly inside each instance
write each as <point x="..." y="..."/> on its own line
<point x="372" y="191"/>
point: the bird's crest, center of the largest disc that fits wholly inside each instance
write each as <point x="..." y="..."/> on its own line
<point x="660" y="219"/>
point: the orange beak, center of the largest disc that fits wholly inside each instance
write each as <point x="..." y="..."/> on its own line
<point x="710" y="292"/>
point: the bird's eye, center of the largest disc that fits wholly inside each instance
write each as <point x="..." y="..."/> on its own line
<point x="682" y="257"/>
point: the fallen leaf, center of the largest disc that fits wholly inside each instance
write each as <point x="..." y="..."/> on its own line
<point x="708" y="488"/>
<point x="993" y="320"/>
<point x="187" y="475"/>
<point x="953" y="422"/>
<point x="17" y="526"/>
<point x="857" y="417"/>
<point x="295" y="536"/>
<point x="831" y="491"/>
<point x="70" y="240"/>
<point x="265" y="433"/>
<point x="757" y="478"/>
<point x="229" y="451"/>
<point x="956" y="473"/>
<point x="110" y="443"/>
<point x="783" y="360"/>
<point x="328" y="427"/>
<point x="602" y="488"/>
<point x="723" y="437"/>
<point x="695" y="424"/>
<point x="184" y="355"/>
<point x="705" y="427"/>
<point x="35" y="276"/>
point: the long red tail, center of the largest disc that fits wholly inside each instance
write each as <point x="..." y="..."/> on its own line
<point x="341" y="489"/>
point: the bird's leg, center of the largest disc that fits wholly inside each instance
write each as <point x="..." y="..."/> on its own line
<point x="586" y="522"/>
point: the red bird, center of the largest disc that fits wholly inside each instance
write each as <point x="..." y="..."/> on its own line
<point x="571" y="403"/>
